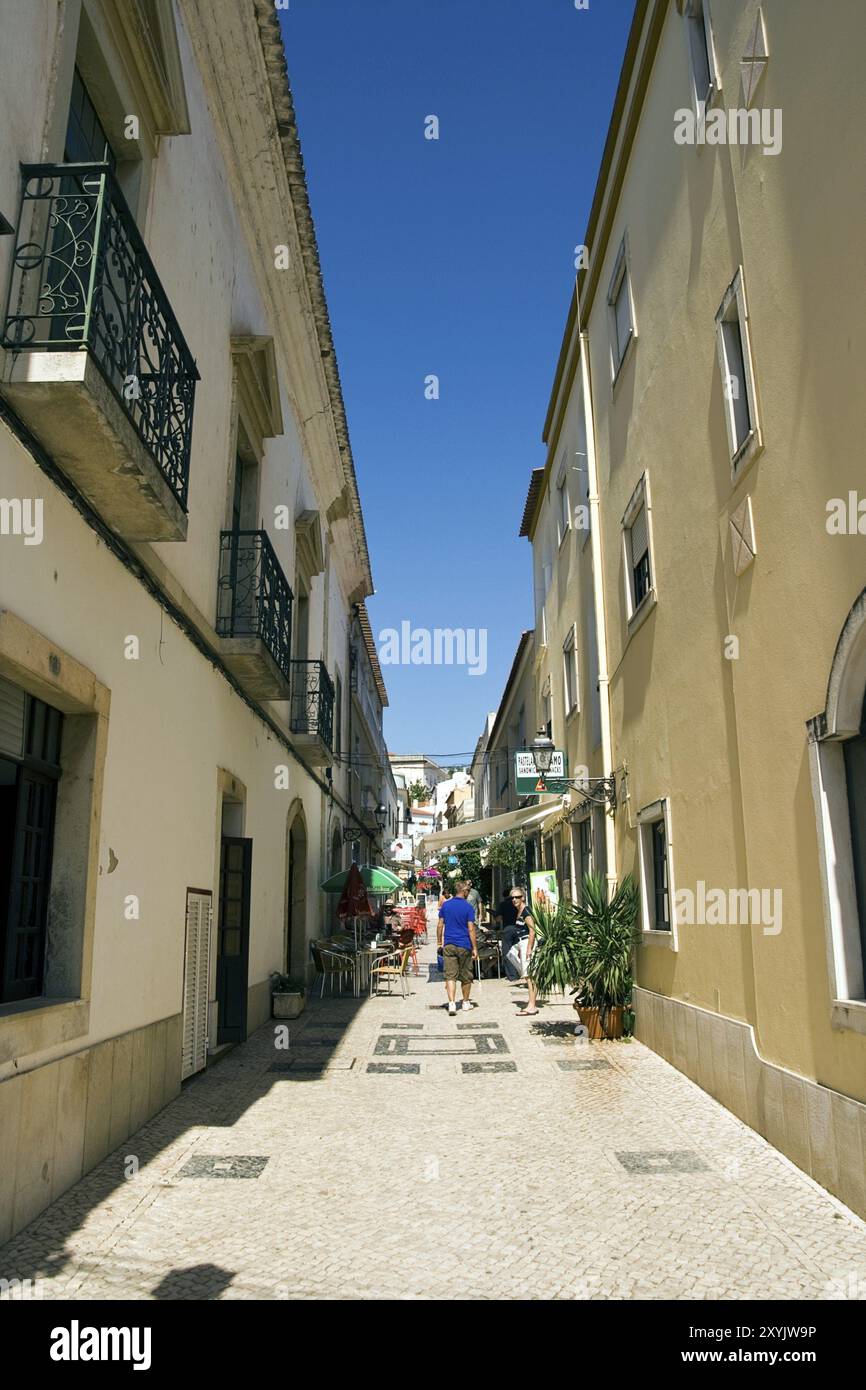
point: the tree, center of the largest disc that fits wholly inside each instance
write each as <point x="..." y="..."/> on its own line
<point x="508" y="850"/>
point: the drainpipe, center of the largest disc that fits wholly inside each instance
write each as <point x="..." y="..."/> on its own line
<point x="598" y="602"/>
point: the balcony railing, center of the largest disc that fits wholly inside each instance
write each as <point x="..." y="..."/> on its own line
<point x="82" y="279"/>
<point x="313" y="701"/>
<point x="253" y="596"/>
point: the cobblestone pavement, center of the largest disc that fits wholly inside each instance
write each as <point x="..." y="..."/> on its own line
<point x="394" y="1152"/>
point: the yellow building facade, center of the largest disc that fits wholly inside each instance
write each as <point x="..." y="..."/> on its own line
<point x="699" y="563"/>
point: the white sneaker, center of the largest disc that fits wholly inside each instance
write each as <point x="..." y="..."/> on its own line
<point x="452" y="1009"/>
<point x="469" y="1004"/>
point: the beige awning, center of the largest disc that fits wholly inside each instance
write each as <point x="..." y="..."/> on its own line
<point x="476" y="829"/>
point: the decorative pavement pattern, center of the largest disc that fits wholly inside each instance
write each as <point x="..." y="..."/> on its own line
<point x="394" y="1152"/>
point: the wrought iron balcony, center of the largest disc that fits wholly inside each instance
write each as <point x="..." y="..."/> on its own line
<point x="95" y="358"/>
<point x="254" y="614"/>
<point x="312" y="712"/>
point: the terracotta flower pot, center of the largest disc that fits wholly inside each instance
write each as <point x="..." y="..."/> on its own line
<point x="592" y="1021"/>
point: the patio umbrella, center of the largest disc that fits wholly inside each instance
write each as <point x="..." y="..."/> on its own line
<point x="354" y="902"/>
<point x="378" y="880"/>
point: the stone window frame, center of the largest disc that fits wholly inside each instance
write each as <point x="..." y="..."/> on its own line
<point x="691" y="11"/>
<point x="826" y="734"/>
<point x="735" y="300"/>
<point x="620" y="274"/>
<point x="128" y="70"/>
<point x="641" y="497"/>
<point x="648" y="816"/>
<point x="40" y="666"/>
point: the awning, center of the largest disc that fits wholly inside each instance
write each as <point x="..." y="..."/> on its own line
<point x="477" y="829"/>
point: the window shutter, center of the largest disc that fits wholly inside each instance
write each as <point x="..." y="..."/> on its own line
<point x="11" y="719"/>
<point x="199" y="912"/>
<point x="639" y="536"/>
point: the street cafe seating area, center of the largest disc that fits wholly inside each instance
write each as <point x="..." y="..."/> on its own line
<point x="375" y="956"/>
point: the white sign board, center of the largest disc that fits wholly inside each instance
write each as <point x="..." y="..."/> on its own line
<point x="524" y="765"/>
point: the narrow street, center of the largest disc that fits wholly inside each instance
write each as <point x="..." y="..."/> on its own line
<point x="393" y="1152"/>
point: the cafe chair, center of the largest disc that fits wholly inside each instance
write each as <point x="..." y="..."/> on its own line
<point x="331" y="965"/>
<point x="391" y="968"/>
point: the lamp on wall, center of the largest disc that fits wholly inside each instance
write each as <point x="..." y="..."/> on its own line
<point x="542" y="751"/>
<point x="598" y="790"/>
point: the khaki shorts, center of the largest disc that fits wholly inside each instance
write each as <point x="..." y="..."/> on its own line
<point x="457" y="961"/>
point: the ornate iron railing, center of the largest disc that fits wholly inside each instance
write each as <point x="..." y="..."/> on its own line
<point x="253" y="595"/>
<point x="82" y="279"/>
<point x="313" y="701"/>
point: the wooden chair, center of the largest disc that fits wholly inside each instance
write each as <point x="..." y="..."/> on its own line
<point x="392" y="967"/>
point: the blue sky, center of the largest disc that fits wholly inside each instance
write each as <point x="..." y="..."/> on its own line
<point x="452" y="257"/>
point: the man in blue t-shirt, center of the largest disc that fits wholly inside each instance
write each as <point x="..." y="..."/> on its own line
<point x="456" y="936"/>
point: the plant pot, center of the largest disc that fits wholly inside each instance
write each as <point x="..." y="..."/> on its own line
<point x="289" y="1005"/>
<point x="592" y="1021"/>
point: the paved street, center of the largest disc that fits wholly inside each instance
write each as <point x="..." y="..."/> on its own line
<point x="396" y="1153"/>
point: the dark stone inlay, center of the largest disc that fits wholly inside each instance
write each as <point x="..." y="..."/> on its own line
<point x="441" y="1045"/>
<point x="489" y="1026"/>
<point x="583" y="1064"/>
<point x="473" y="1067"/>
<point x="399" y="1027"/>
<point x="223" y="1166"/>
<point x="395" y="1068"/>
<point x="558" y="1042"/>
<point x="317" y="1042"/>
<point x="662" y="1161"/>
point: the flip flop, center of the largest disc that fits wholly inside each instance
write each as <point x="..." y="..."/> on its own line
<point x="523" y="1013"/>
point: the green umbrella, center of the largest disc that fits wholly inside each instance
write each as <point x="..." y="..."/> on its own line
<point x="376" y="879"/>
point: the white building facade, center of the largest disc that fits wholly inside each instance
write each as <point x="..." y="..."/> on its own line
<point x="175" y="628"/>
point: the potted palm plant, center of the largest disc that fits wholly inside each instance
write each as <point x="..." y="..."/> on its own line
<point x="605" y="930"/>
<point x="288" y="995"/>
<point x="555" y="961"/>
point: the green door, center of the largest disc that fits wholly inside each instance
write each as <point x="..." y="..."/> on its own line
<point x="233" y="945"/>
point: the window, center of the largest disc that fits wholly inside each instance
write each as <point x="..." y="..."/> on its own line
<point x="565" y="876"/>
<point x="86" y="140"/>
<point x="705" y="81"/>
<point x="656" y="886"/>
<point x="639" y="543"/>
<point x="637" y="552"/>
<point x="854" y="753"/>
<point x="563" y="516"/>
<point x="735" y="365"/>
<point x="569" y="662"/>
<point x="582" y="838"/>
<point x="620" y="311"/>
<point x="30" y="735"/>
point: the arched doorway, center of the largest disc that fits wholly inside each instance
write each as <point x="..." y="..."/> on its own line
<point x="296" y="892"/>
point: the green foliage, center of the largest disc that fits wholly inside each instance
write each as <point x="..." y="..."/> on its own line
<point x="606" y="937"/>
<point x="286" y="984"/>
<point x="508" y="850"/>
<point x="555" y="960"/>
<point x="418" y="793"/>
<point x="587" y="946"/>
